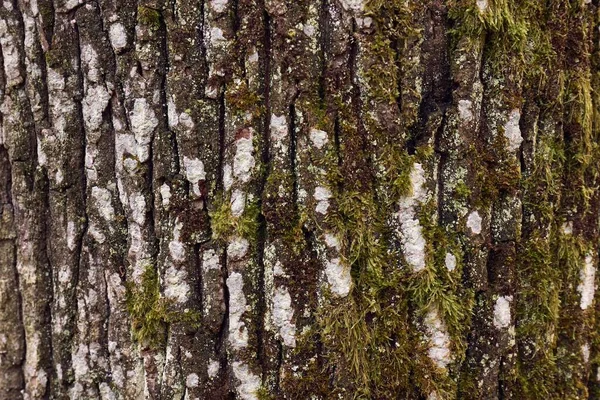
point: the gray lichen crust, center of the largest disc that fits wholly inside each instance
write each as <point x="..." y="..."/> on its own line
<point x="333" y="199"/>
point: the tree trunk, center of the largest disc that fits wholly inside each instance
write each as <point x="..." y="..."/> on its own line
<point x="268" y="199"/>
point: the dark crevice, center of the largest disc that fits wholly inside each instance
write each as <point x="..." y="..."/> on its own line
<point x="265" y="158"/>
<point x="324" y="39"/>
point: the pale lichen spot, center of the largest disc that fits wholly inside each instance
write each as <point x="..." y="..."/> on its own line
<point x="502" y="315"/>
<point x="238" y="203"/>
<point x="279" y="129"/>
<point x="482" y="5"/>
<point x="249" y="382"/>
<point x="238" y="248"/>
<point x="216" y="36"/>
<point x="474" y="222"/>
<point x="318" y="138"/>
<point x="322" y="195"/>
<point x="219" y="5"/>
<point x="176" y="288"/>
<point x="165" y="194"/>
<point x="194" y="172"/>
<point x="567" y="228"/>
<point x="176" y="247"/>
<point x="353" y="5"/>
<point x="450" y="261"/>
<point x="137" y="203"/>
<point x="71" y="235"/>
<point x="585" y="352"/>
<point x="282" y="316"/>
<point x="332" y="241"/>
<point x="339" y="278"/>
<point x="143" y="123"/>
<point x="587" y="287"/>
<point x="210" y="260"/>
<point x="227" y="177"/>
<point x="238" y="334"/>
<point x="243" y="161"/>
<point x="413" y="242"/>
<point x="465" y="110"/>
<point x="213" y="368"/>
<point x="103" y="199"/>
<point x="192" y="380"/>
<point x="439" y="340"/>
<point x="512" y="131"/>
<point x="118" y="36"/>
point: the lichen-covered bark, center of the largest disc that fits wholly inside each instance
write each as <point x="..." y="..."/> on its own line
<point x="333" y="199"/>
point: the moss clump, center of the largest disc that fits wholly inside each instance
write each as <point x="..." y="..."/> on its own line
<point x="149" y="17"/>
<point x="150" y="313"/>
<point x="224" y="225"/>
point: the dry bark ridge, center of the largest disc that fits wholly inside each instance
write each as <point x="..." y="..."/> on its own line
<point x="332" y="199"/>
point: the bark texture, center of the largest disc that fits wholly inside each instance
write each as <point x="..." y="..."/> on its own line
<point x="309" y="199"/>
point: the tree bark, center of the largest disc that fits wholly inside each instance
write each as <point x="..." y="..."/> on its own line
<point x="268" y="199"/>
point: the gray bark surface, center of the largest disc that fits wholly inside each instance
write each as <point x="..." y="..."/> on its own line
<point x="268" y="199"/>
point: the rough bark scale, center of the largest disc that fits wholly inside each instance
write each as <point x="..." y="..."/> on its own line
<point x="238" y="199"/>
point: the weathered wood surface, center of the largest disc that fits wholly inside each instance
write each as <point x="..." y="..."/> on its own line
<point x="268" y="199"/>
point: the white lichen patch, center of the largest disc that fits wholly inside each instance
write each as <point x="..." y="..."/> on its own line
<point x="219" y="5"/>
<point x="216" y="37"/>
<point x="322" y="195"/>
<point x="176" y="247"/>
<point x="143" y="123"/>
<point x="10" y="55"/>
<point x="512" y="131"/>
<point x="238" y="334"/>
<point x="249" y="382"/>
<point x="210" y="260"/>
<point x="213" y="368"/>
<point x="482" y="5"/>
<point x="502" y="312"/>
<point x="243" y="161"/>
<point x="332" y="241"/>
<point x="118" y="36"/>
<point x="318" y="138"/>
<point x="192" y="380"/>
<point x="103" y="199"/>
<point x="165" y="194"/>
<point x="585" y="352"/>
<point x="282" y="316"/>
<point x="339" y="278"/>
<point x="353" y="5"/>
<point x="227" y="177"/>
<point x="194" y="172"/>
<point x="137" y="203"/>
<point x="93" y="105"/>
<point x="279" y="131"/>
<point x="450" y="261"/>
<point x="176" y="288"/>
<point x="465" y="110"/>
<point x="474" y="222"/>
<point x="238" y="203"/>
<point x="439" y="340"/>
<point x="413" y="242"/>
<point x="237" y="249"/>
<point x="586" y="287"/>
<point x="71" y="235"/>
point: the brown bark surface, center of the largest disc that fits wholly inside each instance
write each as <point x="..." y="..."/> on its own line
<point x="309" y="199"/>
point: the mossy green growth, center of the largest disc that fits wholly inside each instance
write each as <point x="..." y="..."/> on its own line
<point x="149" y="17"/>
<point x="150" y="313"/>
<point x="225" y="225"/>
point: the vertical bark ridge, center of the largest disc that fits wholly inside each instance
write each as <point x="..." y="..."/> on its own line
<point x="236" y="199"/>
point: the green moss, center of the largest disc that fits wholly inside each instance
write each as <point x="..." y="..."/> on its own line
<point x="149" y="17"/>
<point x="150" y="313"/>
<point x="225" y="226"/>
